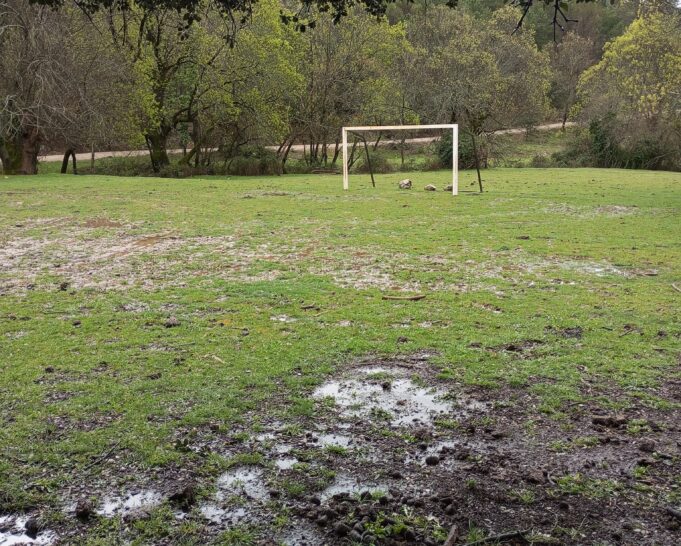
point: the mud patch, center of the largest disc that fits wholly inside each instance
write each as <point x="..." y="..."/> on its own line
<point x="245" y="482"/>
<point x="101" y="223"/>
<point x="347" y="485"/>
<point x="16" y="530"/>
<point x="362" y="470"/>
<point x="385" y="394"/>
<point x="130" y="503"/>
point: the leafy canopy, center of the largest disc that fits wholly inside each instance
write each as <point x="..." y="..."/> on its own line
<point x="301" y="17"/>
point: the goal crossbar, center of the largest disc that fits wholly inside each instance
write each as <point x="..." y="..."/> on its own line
<point x="455" y="146"/>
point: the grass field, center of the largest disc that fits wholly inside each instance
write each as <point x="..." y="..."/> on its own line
<point x="156" y="335"/>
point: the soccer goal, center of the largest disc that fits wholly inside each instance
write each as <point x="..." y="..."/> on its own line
<point x="454" y="128"/>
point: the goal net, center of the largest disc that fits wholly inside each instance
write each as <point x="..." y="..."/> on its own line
<point x="454" y="128"/>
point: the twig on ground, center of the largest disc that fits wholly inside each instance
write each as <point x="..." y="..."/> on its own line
<point x="103" y="457"/>
<point x="214" y="357"/>
<point x="498" y="538"/>
<point x="452" y="537"/>
<point x="676" y="287"/>
<point x="416" y="297"/>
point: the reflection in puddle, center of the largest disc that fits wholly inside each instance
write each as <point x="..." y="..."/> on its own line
<point x="347" y="484"/>
<point x="12" y="532"/>
<point x="125" y="505"/>
<point x="400" y="401"/>
<point x="242" y="481"/>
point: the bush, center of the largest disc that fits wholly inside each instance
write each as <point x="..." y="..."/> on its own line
<point x="254" y="161"/>
<point x="466" y="152"/>
<point x="379" y="164"/>
<point x="606" y="144"/>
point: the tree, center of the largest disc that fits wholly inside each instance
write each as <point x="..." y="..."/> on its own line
<point x="635" y="88"/>
<point x="479" y="76"/>
<point x="34" y="82"/>
<point x="57" y="84"/>
<point x="304" y="16"/>
<point x="569" y="58"/>
<point x="347" y="79"/>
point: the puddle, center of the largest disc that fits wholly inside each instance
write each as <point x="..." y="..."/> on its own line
<point x="282" y="449"/>
<point x="247" y="482"/>
<point x="347" y="484"/>
<point x="326" y="440"/>
<point x="12" y="532"/>
<point x="133" y="502"/>
<point x="219" y="515"/>
<point x="400" y="401"/>
<point x="285" y="463"/>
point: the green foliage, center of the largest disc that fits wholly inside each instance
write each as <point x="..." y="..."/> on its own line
<point x="379" y="163"/>
<point x="631" y="97"/>
<point x="466" y="151"/>
<point x="253" y="161"/>
<point x="604" y="145"/>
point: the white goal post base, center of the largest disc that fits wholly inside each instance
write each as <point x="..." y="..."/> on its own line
<point x="455" y="146"/>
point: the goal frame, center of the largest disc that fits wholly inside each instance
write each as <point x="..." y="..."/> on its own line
<point x="451" y="126"/>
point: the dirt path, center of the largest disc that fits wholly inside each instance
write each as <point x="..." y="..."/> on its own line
<point x="296" y="148"/>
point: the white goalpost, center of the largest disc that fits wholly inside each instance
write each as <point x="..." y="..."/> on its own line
<point x="455" y="146"/>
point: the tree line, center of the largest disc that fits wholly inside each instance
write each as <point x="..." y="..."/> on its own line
<point x="215" y="78"/>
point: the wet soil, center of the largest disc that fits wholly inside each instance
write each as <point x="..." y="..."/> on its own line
<point x="395" y="455"/>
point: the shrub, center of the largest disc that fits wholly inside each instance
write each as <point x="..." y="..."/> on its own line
<point x="606" y="144"/>
<point x="466" y="152"/>
<point x="379" y="164"/>
<point x="254" y="161"/>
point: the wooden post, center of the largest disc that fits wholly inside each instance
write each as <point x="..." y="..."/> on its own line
<point x="345" y="159"/>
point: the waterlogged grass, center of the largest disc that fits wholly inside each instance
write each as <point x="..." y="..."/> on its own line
<point x="549" y="280"/>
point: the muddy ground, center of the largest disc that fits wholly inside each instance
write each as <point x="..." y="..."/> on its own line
<point x="394" y="455"/>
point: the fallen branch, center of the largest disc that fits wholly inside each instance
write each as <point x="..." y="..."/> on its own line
<point x="673" y="512"/>
<point x="498" y="538"/>
<point x="676" y="287"/>
<point x="416" y="297"/>
<point x="103" y="457"/>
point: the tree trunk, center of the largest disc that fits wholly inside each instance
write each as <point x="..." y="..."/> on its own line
<point x="156" y="143"/>
<point x="476" y="156"/>
<point x="378" y="140"/>
<point x="336" y="151"/>
<point x="371" y="169"/>
<point x="20" y="155"/>
<point x="10" y="154"/>
<point x="30" y="146"/>
<point x="285" y="156"/>
<point x="65" y="162"/>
